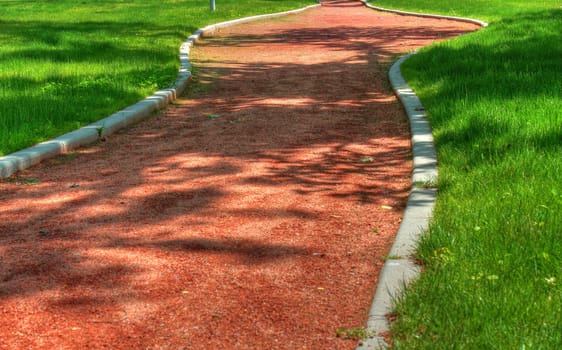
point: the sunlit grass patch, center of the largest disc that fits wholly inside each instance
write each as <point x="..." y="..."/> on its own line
<point x="493" y="255"/>
<point x="67" y="63"/>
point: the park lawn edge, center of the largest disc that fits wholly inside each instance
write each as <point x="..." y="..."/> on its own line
<point x="516" y="170"/>
<point x="72" y="66"/>
<point x="130" y="115"/>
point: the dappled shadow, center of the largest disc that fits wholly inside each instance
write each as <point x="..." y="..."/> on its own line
<point x="276" y="170"/>
<point x="341" y="3"/>
<point x="381" y="39"/>
<point x="248" y="251"/>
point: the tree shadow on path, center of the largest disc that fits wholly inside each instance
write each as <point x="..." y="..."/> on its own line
<point x="273" y="174"/>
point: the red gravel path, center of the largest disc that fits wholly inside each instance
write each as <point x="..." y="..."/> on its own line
<point x="254" y="214"/>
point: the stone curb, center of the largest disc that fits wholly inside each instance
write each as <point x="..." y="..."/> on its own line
<point x="91" y="133"/>
<point x="428" y="15"/>
<point x="399" y="270"/>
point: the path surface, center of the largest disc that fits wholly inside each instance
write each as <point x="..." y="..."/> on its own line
<point x="254" y="214"/>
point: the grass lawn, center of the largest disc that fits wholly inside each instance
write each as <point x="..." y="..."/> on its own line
<point x="493" y="255"/>
<point x="66" y="63"/>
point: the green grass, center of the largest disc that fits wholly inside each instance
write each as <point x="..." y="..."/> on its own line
<point x="487" y="10"/>
<point x="493" y="255"/>
<point x="66" y="63"/>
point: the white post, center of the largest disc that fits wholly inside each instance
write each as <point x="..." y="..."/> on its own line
<point x="213" y="7"/>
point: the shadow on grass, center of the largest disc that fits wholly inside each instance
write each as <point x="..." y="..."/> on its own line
<point x="501" y="83"/>
<point x="101" y="73"/>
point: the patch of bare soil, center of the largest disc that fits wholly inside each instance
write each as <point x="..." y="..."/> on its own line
<point x="254" y="214"/>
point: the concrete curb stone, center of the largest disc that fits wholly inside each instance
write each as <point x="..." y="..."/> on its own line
<point x="399" y="270"/>
<point x="91" y="133"/>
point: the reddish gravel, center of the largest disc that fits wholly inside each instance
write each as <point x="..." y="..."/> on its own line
<point x="254" y="214"/>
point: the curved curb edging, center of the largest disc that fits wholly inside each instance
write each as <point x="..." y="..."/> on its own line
<point x="91" y="133"/>
<point x="399" y="270"/>
<point x="428" y="15"/>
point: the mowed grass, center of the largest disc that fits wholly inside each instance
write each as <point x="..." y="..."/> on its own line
<point x="66" y="63"/>
<point x="493" y="256"/>
<point x="488" y="10"/>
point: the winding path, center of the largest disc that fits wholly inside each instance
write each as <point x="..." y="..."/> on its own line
<point x="256" y="212"/>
